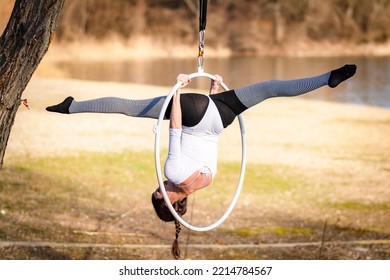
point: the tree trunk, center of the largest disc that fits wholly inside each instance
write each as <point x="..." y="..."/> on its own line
<point x="23" y="44"/>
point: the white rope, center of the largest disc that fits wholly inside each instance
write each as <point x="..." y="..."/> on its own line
<point x="157" y="130"/>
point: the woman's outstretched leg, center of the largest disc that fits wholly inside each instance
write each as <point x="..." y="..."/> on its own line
<point x="254" y="94"/>
<point x="147" y="108"/>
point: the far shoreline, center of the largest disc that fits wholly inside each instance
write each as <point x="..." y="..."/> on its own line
<point x="119" y="50"/>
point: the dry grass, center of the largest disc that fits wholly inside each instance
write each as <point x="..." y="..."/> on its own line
<point x="308" y="163"/>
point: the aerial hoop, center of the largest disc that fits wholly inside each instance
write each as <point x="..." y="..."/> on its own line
<point x="157" y="130"/>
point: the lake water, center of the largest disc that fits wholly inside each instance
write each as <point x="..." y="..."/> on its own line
<point x="370" y="86"/>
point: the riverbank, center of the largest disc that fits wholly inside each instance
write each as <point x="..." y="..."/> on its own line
<point x="62" y="60"/>
<point x="115" y="49"/>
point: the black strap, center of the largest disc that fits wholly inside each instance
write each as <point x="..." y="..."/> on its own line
<point x="202" y="14"/>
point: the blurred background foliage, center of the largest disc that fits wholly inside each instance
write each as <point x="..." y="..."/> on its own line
<point x="242" y="26"/>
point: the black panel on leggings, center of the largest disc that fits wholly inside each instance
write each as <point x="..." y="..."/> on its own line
<point x="229" y="106"/>
<point x="193" y="107"/>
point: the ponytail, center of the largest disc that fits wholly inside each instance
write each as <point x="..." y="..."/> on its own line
<point x="175" y="245"/>
<point x="165" y="215"/>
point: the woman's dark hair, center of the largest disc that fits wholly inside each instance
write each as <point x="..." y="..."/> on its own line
<point x="162" y="211"/>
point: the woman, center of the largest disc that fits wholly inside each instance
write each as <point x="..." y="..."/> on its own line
<point x="196" y="120"/>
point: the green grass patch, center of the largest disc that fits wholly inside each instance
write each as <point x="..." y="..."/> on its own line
<point x="96" y="185"/>
<point x="112" y="180"/>
<point x="256" y="232"/>
<point x="365" y="206"/>
<point x="56" y="198"/>
<point x="271" y="178"/>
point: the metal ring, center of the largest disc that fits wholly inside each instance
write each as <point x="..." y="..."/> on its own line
<point x="157" y="130"/>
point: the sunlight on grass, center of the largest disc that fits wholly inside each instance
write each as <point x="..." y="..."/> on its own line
<point x="357" y="205"/>
<point x="271" y="178"/>
<point x="56" y="198"/>
<point x="248" y="232"/>
<point x="90" y="182"/>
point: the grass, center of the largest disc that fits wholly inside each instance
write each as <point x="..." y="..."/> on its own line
<point x="61" y="199"/>
<point x="360" y="206"/>
<point x="110" y="178"/>
<point x="247" y="232"/>
<point x="272" y="179"/>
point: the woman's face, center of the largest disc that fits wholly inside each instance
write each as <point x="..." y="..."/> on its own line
<point x="168" y="187"/>
<point x="174" y="192"/>
<point x="157" y="194"/>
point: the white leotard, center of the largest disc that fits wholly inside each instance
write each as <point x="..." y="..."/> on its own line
<point x="193" y="148"/>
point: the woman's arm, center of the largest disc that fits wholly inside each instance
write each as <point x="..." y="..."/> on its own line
<point x="175" y="120"/>
<point x="173" y="162"/>
<point x="214" y="85"/>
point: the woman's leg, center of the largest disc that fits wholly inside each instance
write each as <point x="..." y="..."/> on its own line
<point x="147" y="108"/>
<point x="193" y="107"/>
<point x="233" y="102"/>
<point x="254" y="94"/>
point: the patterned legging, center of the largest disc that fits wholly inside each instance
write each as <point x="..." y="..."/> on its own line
<point x="230" y="103"/>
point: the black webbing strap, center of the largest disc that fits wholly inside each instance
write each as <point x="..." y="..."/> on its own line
<point x="202" y="14"/>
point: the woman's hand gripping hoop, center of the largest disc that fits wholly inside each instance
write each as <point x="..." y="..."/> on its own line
<point x="157" y="130"/>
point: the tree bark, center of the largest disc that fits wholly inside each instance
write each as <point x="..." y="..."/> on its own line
<point x="23" y="44"/>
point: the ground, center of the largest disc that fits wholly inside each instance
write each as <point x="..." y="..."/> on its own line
<point x="78" y="186"/>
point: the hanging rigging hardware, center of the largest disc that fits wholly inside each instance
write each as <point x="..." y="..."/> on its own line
<point x="201" y="51"/>
<point x="202" y="28"/>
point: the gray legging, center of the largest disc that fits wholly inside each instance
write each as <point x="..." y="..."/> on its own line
<point x="229" y="104"/>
